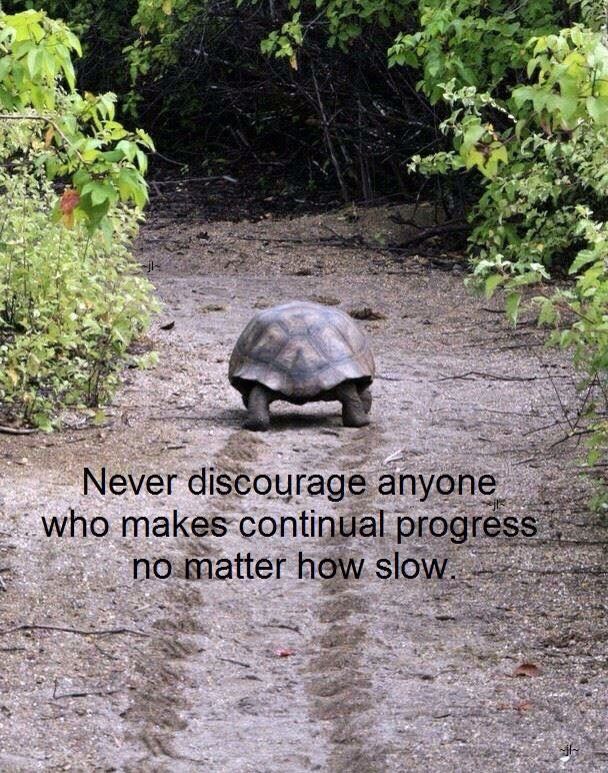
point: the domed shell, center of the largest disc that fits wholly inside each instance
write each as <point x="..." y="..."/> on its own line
<point x="300" y="350"/>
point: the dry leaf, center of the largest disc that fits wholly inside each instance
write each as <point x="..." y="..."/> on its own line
<point x="397" y="456"/>
<point x="527" y="669"/>
<point x="522" y="706"/>
<point x="48" y="137"/>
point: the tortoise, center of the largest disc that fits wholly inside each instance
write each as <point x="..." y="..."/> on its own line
<point x="302" y="352"/>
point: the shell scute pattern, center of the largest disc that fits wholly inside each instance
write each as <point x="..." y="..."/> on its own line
<point x="300" y="350"/>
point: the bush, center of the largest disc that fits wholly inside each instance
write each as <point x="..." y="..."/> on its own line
<point x="71" y="300"/>
<point x="540" y="141"/>
<point x="70" y="304"/>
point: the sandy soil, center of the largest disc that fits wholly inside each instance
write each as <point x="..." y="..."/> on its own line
<point x="298" y="675"/>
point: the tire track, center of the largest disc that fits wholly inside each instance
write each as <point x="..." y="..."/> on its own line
<point x="166" y="695"/>
<point x="341" y="689"/>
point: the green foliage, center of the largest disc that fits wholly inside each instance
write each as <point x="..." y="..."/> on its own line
<point x="543" y="209"/>
<point x="593" y="13"/>
<point x="103" y="28"/>
<point x="70" y="304"/>
<point x="571" y="88"/>
<point x="82" y="139"/>
<point x="71" y="300"/>
<point x="161" y="24"/>
<point x="284" y="42"/>
<point x="343" y="20"/>
<point x="469" y="43"/>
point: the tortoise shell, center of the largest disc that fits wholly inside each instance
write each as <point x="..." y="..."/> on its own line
<point x="300" y="350"/>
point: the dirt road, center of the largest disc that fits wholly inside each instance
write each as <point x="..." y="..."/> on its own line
<point x="337" y="675"/>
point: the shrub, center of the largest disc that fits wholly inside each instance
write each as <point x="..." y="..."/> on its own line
<point x="541" y="149"/>
<point x="70" y="304"/>
<point x="71" y="301"/>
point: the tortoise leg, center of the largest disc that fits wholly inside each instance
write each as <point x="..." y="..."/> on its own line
<point x="366" y="399"/>
<point x="258" y="415"/>
<point x="353" y="410"/>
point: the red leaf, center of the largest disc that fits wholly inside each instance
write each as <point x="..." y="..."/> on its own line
<point x="69" y="201"/>
<point x="284" y="652"/>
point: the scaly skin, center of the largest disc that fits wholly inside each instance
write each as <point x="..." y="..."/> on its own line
<point x="258" y="415"/>
<point x="355" y="406"/>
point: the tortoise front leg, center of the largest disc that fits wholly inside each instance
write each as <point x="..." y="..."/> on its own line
<point x="353" y="410"/>
<point x="258" y="415"/>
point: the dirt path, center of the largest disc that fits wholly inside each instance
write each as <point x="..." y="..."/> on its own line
<point x="385" y="675"/>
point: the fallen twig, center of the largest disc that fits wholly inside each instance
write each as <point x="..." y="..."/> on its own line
<point x="325" y="241"/>
<point x="235" y="662"/>
<point x="66" y="629"/>
<point x="211" y="178"/>
<point x="17" y="430"/>
<point x="559" y="397"/>
<point x="437" y="230"/>
<point x="575" y="433"/>
<point x="84" y="694"/>
<point x="354" y="240"/>
<point x="282" y="625"/>
<point x="490" y="376"/>
<point x="554" y="423"/>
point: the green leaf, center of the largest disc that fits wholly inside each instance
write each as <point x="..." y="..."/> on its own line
<point x="491" y="283"/>
<point x="597" y="107"/>
<point x="99" y="192"/>
<point x="582" y="259"/>
<point x="548" y="313"/>
<point x="43" y="422"/>
<point x="472" y="135"/>
<point x="512" y="306"/>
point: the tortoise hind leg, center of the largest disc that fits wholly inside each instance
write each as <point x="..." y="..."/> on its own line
<point x="366" y="398"/>
<point x="258" y="415"/>
<point x="353" y="409"/>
